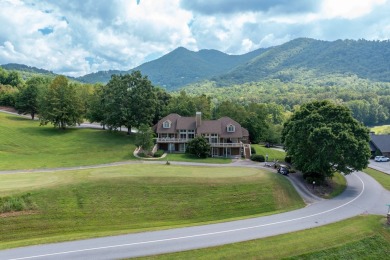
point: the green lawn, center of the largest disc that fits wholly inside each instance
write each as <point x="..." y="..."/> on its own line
<point x="273" y="154"/>
<point x="379" y="176"/>
<point x="189" y="158"/>
<point x="26" y="145"/>
<point x="138" y="197"/>
<point x="382" y="129"/>
<point x="363" y="237"/>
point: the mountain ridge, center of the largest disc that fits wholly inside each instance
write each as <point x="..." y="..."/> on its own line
<point x="301" y="57"/>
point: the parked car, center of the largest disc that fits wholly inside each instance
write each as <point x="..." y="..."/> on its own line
<point x="283" y="169"/>
<point x="381" y="159"/>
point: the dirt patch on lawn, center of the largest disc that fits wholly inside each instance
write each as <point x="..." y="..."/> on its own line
<point x="18" y="213"/>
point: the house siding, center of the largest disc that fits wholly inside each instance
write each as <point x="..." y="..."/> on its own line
<point x="223" y="143"/>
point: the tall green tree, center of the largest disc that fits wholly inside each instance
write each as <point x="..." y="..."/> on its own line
<point x="323" y="138"/>
<point x="129" y="100"/>
<point x="95" y="111"/>
<point x="144" y="138"/>
<point x="60" y="105"/>
<point x="163" y="99"/>
<point x="27" y="100"/>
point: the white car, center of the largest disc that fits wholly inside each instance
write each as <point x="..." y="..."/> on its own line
<point x="382" y="159"/>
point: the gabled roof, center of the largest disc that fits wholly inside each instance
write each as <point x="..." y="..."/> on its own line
<point x="159" y="126"/>
<point x="207" y="126"/>
<point x="381" y="142"/>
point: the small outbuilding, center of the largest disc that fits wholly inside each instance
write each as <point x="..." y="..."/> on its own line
<point x="380" y="144"/>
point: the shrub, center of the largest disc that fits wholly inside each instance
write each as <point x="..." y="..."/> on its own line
<point x="198" y="147"/>
<point x="258" y="158"/>
<point x="253" y="150"/>
<point x="158" y="153"/>
<point x="288" y="159"/>
<point x="9" y="204"/>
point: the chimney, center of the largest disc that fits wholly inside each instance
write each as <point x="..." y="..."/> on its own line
<point x="198" y="119"/>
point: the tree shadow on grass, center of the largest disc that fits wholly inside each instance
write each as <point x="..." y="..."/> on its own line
<point x="18" y="118"/>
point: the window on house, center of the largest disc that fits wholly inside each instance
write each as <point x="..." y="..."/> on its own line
<point x="191" y="134"/>
<point x="231" y="128"/>
<point x="167" y="124"/>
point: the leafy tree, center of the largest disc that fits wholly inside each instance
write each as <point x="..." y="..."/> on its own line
<point x="129" y="100"/>
<point x="198" y="147"/>
<point x="186" y="105"/>
<point x="95" y="111"/>
<point x="163" y="99"/>
<point x="257" y="122"/>
<point x="27" y="100"/>
<point x="11" y="78"/>
<point x="323" y="138"/>
<point x="232" y="110"/>
<point x="8" y="95"/>
<point x="144" y="138"/>
<point x="60" y="105"/>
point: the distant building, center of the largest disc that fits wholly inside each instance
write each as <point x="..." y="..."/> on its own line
<point x="380" y="144"/>
<point x="226" y="137"/>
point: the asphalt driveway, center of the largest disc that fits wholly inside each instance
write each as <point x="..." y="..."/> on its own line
<point x="380" y="166"/>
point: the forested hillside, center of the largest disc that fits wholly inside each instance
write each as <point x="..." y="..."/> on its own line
<point x="27" y="72"/>
<point x="181" y="67"/>
<point x="366" y="59"/>
<point x="299" y="60"/>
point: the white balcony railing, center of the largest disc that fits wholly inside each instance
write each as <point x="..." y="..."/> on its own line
<point x="184" y="140"/>
<point x="226" y="144"/>
<point x="172" y="140"/>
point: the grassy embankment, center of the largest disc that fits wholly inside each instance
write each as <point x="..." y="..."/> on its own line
<point x="26" y="145"/>
<point x="273" y="154"/>
<point x="382" y="129"/>
<point x="362" y="237"/>
<point x="338" y="182"/>
<point x="114" y="200"/>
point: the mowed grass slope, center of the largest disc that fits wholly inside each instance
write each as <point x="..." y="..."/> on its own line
<point x="26" y="145"/>
<point x="115" y="200"/>
<point x="362" y="237"/>
<point x="273" y="154"/>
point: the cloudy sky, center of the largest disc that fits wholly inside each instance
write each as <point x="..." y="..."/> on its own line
<point x="75" y="37"/>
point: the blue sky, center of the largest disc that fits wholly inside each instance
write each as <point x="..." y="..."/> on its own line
<point x="75" y="37"/>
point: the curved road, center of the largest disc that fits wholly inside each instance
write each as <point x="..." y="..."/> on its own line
<point x="362" y="196"/>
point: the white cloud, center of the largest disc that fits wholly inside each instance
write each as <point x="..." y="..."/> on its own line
<point x="81" y="37"/>
<point x="349" y="9"/>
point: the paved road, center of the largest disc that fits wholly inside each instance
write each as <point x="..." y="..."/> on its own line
<point x="362" y="196"/>
<point x="380" y="166"/>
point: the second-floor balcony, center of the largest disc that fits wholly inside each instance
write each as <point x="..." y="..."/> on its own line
<point x="185" y="140"/>
<point x="172" y="140"/>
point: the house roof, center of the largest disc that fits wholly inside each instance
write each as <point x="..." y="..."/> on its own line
<point x="381" y="142"/>
<point x="172" y="118"/>
<point x="188" y="123"/>
<point x="207" y="126"/>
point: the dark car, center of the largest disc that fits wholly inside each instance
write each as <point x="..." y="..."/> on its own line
<point x="283" y="169"/>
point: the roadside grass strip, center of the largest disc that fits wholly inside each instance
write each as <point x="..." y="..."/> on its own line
<point x="382" y="178"/>
<point x="124" y="199"/>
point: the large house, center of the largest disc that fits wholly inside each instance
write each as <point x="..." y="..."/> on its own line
<point x="226" y="137"/>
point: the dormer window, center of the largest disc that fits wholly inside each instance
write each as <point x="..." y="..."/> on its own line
<point x="231" y="128"/>
<point x="167" y="124"/>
